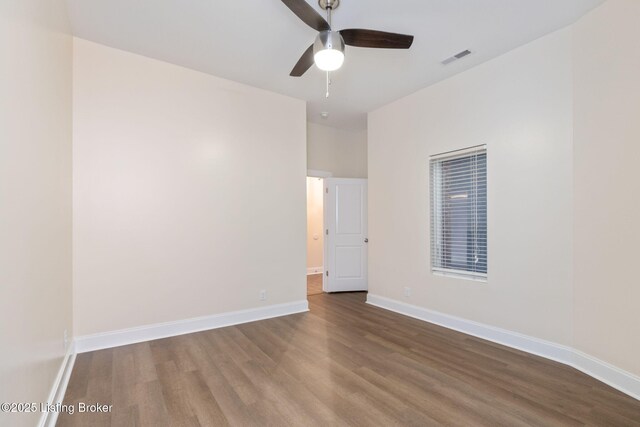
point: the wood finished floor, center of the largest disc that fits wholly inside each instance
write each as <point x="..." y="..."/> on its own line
<point x="343" y="363"/>
<point x="314" y="284"/>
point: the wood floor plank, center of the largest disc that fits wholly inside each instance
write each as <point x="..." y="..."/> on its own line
<point x="344" y="363"/>
<point x="314" y="284"/>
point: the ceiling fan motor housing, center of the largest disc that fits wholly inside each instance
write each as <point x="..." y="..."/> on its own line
<point x="328" y="40"/>
<point x="329" y="4"/>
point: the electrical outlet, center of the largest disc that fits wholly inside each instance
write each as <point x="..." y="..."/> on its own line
<point x="407" y="292"/>
<point x="65" y="340"/>
<point x="263" y="295"/>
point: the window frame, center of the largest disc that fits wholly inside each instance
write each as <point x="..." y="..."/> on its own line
<point x="438" y="159"/>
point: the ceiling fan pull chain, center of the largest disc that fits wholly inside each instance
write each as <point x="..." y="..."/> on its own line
<point x="328" y="83"/>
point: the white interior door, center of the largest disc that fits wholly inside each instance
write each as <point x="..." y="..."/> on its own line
<point x="345" y="218"/>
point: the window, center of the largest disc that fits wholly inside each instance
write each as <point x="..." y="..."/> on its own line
<point x="459" y="213"/>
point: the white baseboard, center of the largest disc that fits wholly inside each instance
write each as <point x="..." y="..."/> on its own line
<point x="169" y="329"/>
<point x="315" y="270"/>
<point x="617" y="378"/>
<point x="59" y="388"/>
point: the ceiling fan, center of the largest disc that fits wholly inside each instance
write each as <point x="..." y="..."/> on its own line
<point x="327" y="52"/>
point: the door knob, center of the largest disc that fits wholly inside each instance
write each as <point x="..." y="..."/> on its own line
<point x="366" y="240"/>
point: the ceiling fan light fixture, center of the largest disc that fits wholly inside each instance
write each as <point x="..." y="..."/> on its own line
<point x="329" y="59"/>
<point x="328" y="50"/>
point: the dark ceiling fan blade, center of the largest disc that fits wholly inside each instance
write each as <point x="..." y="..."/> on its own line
<point x="304" y="63"/>
<point x="307" y="13"/>
<point x="376" y="39"/>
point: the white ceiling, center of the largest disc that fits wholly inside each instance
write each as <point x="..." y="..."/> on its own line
<point x="257" y="42"/>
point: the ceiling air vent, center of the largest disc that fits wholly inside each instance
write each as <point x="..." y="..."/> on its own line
<point x="457" y="56"/>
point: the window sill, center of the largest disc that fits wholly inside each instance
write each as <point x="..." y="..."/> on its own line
<point x="460" y="275"/>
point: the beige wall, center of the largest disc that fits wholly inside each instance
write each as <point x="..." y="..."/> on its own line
<point x="35" y="197"/>
<point x="607" y="185"/>
<point x="520" y="105"/>
<point x="341" y="152"/>
<point x="560" y="118"/>
<point x="189" y="193"/>
<point x="315" y="232"/>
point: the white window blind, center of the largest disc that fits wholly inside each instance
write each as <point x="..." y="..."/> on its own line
<point x="459" y="213"/>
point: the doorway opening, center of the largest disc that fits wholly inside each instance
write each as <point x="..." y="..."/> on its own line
<point x="336" y="234"/>
<point x="315" y="234"/>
